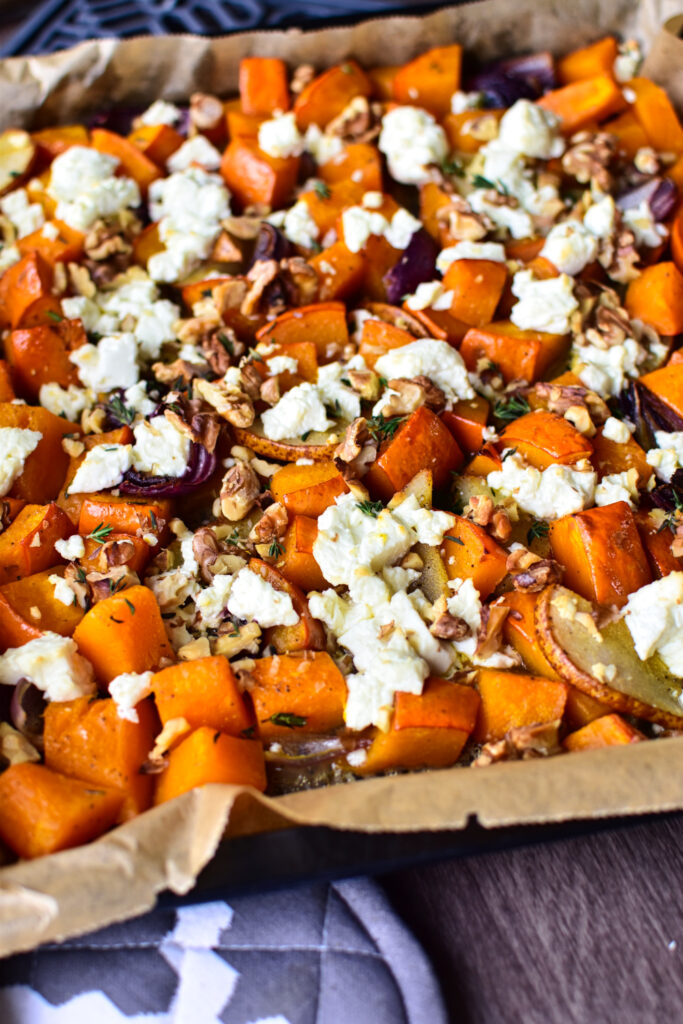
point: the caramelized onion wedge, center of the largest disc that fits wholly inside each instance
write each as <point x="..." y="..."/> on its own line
<point x="577" y="650"/>
<point x="318" y="447"/>
<point x="17" y="152"/>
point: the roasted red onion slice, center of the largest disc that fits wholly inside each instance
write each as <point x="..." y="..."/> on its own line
<point x="416" y="265"/>
<point x="660" y="194"/>
<point x="200" y="468"/>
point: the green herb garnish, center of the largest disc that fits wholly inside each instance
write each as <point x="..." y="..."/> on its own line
<point x="276" y="549"/>
<point x="322" y="190"/>
<point x="370" y="508"/>
<point x="120" y="411"/>
<point x="131" y="606"/>
<point x="100" y="533"/>
<point x="537" y="530"/>
<point x="226" y="343"/>
<point x="57" y="317"/>
<point x="286" y="718"/>
<point x="509" y="409"/>
<point x="383" y="430"/>
<point x="454" y="167"/>
<point x="479" y="181"/>
<point x="456" y="540"/>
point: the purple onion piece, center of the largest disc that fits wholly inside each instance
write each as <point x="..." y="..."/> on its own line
<point x="416" y="265"/>
<point x="26" y="712"/>
<point x="665" y="496"/>
<point x="270" y="244"/>
<point x="120" y="120"/>
<point x="503" y="82"/>
<point x="660" y="194"/>
<point x="657" y="414"/>
<point x="200" y="468"/>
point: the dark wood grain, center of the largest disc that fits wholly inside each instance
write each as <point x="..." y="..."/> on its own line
<point x="580" y="931"/>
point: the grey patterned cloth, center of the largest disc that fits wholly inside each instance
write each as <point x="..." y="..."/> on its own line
<point x="320" y="954"/>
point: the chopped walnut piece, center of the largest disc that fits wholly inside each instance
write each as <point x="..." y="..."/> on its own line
<point x="562" y="398"/>
<point x="579" y="417"/>
<point x="490" y="631"/>
<point x="588" y="158"/>
<point x="303" y="75"/>
<point x="270" y="391"/>
<point x="449" y="627"/>
<point x="480" y="509"/>
<point x="301" y="279"/>
<point x="179" y="369"/>
<point x="206" y="111"/>
<point x="531" y="573"/>
<point x="193" y="330"/>
<point x="199" y="648"/>
<point x="259" y="277"/>
<point x="619" y="256"/>
<point x="500" y="527"/>
<point x="365" y="383"/>
<point x="104" y="240"/>
<point x="93" y="421"/>
<point x="206" y="549"/>
<point x="225" y="250"/>
<point x="75" y="578"/>
<point x="245" y="638"/>
<point x="233" y="405"/>
<point x="251" y="380"/>
<point x="358" y="121"/>
<point x="173" y="730"/>
<point x="220" y="348"/>
<point x="244" y="228"/>
<point x="522" y="743"/>
<point x="271" y="526"/>
<point x="356" y="452"/>
<point x="116" y="579"/>
<point x="647" y="161"/>
<point x="80" y="280"/>
<point x="229" y="295"/>
<point x="239" y="491"/>
<point x="14" y="747"/>
<point x="72" y="447"/>
<point x="462" y="222"/>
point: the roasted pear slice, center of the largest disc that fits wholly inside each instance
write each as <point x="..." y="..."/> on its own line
<point x="17" y="153"/>
<point x="603" y="662"/>
<point x="317" y="446"/>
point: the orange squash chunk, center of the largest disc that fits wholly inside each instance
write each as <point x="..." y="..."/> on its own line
<point x="208" y="756"/>
<point x="359" y="162"/>
<point x="544" y="438"/>
<point x="379" y="337"/>
<point x="477" y="286"/>
<point x="45" y="468"/>
<point x="28" y="607"/>
<point x="323" y="323"/>
<point x="42" y="811"/>
<point x="124" y="633"/>
<point x="430" y="80"/>
<point x="86" y="739"/>
<point x="607" y="731"/>
<point x="421" y="442"/>
<point x="601" y="552"/>
<point x="419" y="747"/>
<point x="510" y="700"/>
<point x="53" y="141"/>
<point x="580" y="103"/>
<point x="339" y="270"/>
<point x="308" y="490"/>
<point x="612" y="457"/>
<point x="596" y="59"/>
<point x="133" y="161"/>
<point x="156" y="141"/>
<point x="72" y="503"/>
<point x="656" y="298"/>
<point x="263" y="86"/>
<point x="297" y="563"/>
<point x="204" y="692"/>
<point x="464" y="130"/>
<point x="124" y="515"/>
<point x="67" y="247"/>
<point x="26" y="293"/>
<point x="581" y="709"/>
<point x="307" y="685"/>
<point x="667" y="384"/>
<point x="27" y="545"/>
<point x="657" y="115"/>
<point x="255" y="177"/>
<point x="657" y="545"/>
<point x="137" y="552"/>
<point x="329" y="93"/>
<point x="466" y="422"/>
<point x="519" y="630"/>
<point x="522" y="355"/>
<point x="629" y="133"/>
<point x="468" y="552"/>
<point x="40" y="355"/>
<point x="441" y="705"/>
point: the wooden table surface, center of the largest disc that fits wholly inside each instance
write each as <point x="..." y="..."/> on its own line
<point x="585" y="930"/>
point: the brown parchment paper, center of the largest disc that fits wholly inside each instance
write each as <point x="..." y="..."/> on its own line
<point x="121" y="874"/>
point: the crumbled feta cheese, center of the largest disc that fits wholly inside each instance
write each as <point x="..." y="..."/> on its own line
<point x="253" y="598"/>
<point x="282" y="364"/>
<point x="279" y="137"/>
<point x="570" y="247"/>
<point x="299" y="411"/>
<point x="9" y="255"/>
<point x="412" y="140"/>
<point x="401" y="229"/>
<point x="322" y="147"/>
<point x="67" y="402"/>
<point x="643" y="225"/>
<point x="605" y="369"/>
<point x="127" y="690"/>
<point x="299" y="227"/>
<point x="358" y="224"/>
<point x="492" y="251"/>
<point x="189" y="206"/>
<point x="531" y="131"/>
<point x="160" y="448"/>
<point x="62" y="591"/>
<point x="372" y="200"/>
<point x="616" y="430"/>
<point x="341" y="399"/>
<point x="71" y="548"/>
<point x="161" y="112"/>
<point x="110" y="364"/>
<point x="429" y="525"/>
<point x="16" y="444"/>
<point x="543" y="305"/>
<point x="432" y="358"/>
<point x="50" y="231"/>
<point x="197" y="150"/>
<point x="546" y="494"/>
<point x="135" y="398"/>
<point x="462" y="101"/>
<point x="600" y="217"/>
<point x="427" y="295"/>
<point x="514" y="219"/>
<point x="24" y="216"/>
<point x="53" y="664"/>
<point x="104" y="466"/>
<point x="618" y="487"/>
<point x="212" y="602"/>
<point x="668" y="456"/>
<point x="627" y="61"/>
<point x="83" y="182"/>
<point x="654" y="616"/>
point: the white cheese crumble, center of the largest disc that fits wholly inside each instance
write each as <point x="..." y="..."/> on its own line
<point x="299" y="227"/>
<point x="127" y="690"/>
<point x="212" y="601"/>
<point x="197" y="150"/>
<point x="322" y="147"/>
<point x="628" y="60"/>
<point x="543" y="305"/>
<point x="282" y="364"/>
<point x="71" y="548"/>
<point x="531" y="131"/>
<point x="161" y="112"/>
<point x="643" y="225"/>
<point x="668" y="456"/>
<point x="493" y="251"/>
<point x="160" y="448"/>
<point x="618" y="487"/>
<point x="432" y="358"/>
<point x="605" y="369"/>
<point x="570" y="247"/>
<point x="549" y="493"/>
<point x="110" y="364"/>
<point x="189" y="207"/>
<point x="16" y="444"/>
<point x="616" y="430"/>
<point x="104" y="466"/>
<point x="654" y="616"/>
<point x="9" y="255"/>
<point x="299" y="411"/>
<point x="62" y="591"/>
<point x="600" y="217"/>
<point x="24" y="216"/>
<point x="84" y="183"/>
<point x="358" y="224"/>
<point x="463" y="101"/>
<point x="252" y="597"/>
<point x="279" y="137"/>
<point x="52" y="663"/>
<point x="412" y="140"/>
<point x="430" y="295"/>
<point x="401" y="229"/>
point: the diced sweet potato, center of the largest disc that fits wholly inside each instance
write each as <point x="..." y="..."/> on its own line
<point x="40" y="355"/>
<point x="156" y="141"/>
<point x="519" y="630"/>
<point x="297" y="563"/>
<point x="466" y="422"/>
<point x="132" y="160"/>
<point x="614" y="457"/>
<point x="28" y="544"/>
<point x="42" y="811"/>
<point x="307" y="634"/>
<point x="208" y="756"/>
<point x="657" y="115"/>
<point x="45" y="468"/>
<point x="588" y="100"/>
<point x="544" y="438"/>
<point x="595" y="59"/>
<point x="28" y="608"/>
<point x="421" y="442"/>
<point x="477" y="286"/>
<point x="430" y="80"/>
<point x="323" y="323"/>
<point x="606" y="731"/>
<point x="26" y="296"/>
<point x="519" y="355"/>
<point x="308" y="490"/>
<point x="203" y="692"/>
<point x="263" y="86"/>
<point x="656" y="298"/>
<point x="329" y="93"/>
<point x="468" y="552"/>
<point x="441" y="705"/>
<point x="419" y="747"/>
<point x="510" y="700"/>
<point x="293" y="693"/>
<point x="255" y="177"/>
<point x="87" y="740"/>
